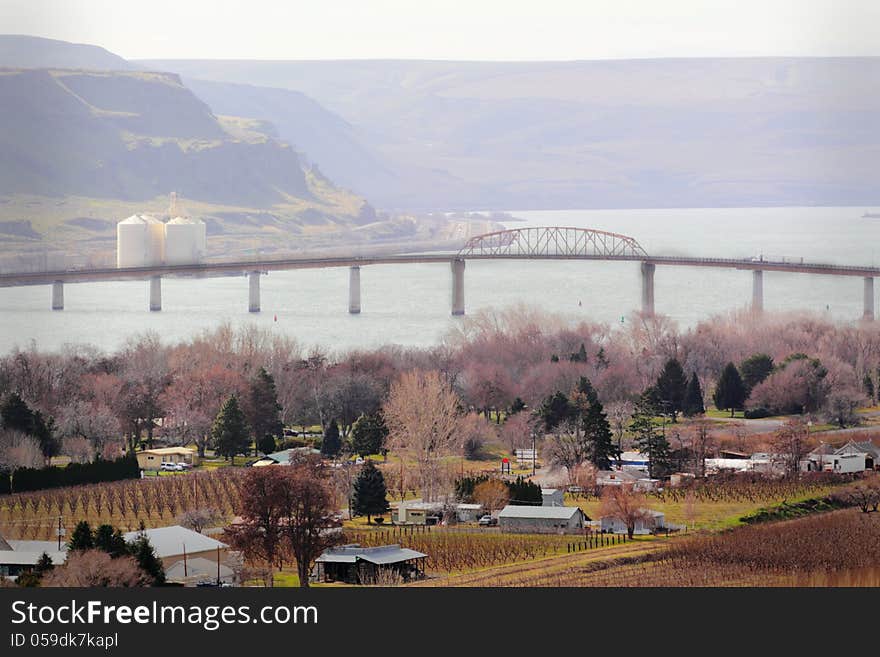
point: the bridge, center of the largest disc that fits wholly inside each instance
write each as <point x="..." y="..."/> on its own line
<point x="534" y="243"/>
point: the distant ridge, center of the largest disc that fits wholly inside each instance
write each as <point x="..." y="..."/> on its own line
<point x="20" y="51"/>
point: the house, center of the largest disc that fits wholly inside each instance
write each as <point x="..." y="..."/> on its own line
<point x="868" y="448"/>
<point x="415" y="512"/>
<point x="17" y="557"/>
<point x="634" y="459"/>
<point x="468" y="512"/>
<point x="653" y="520"/>
<point x="152" y="459"/>
<point x="175" y="544"/>
<point x="628" y="477"/>
<point x="368" y="565"/>
<point x="552" y="497"/>
<point x="541" y="519"/>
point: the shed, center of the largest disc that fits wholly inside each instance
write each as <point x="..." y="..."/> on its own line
<point x="541" y="519"/>
<point x="174" y="543"/>
<point x="368" y="565"/>
<point x="552" y="497"/>
<point x="198" y="570"/>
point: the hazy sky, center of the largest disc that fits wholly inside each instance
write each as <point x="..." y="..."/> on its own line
<point x="453" y="29"/>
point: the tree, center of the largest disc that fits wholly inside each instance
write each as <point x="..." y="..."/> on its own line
<point x="597" y="431"/>
<point x="730" y="392"/>
<point x="790" y="444"/>
<point x="96" y="568"/>
<point x="199" y="519"/>
<point x="310" y="518"/>
<point x="145" y="556"/>
<point x="368" y="434"/>
<point x="492" y="494"/>
<point x="331" y="445"/>
<point x="693" y="398"/>
<point x="82" y="537"/>
<point x="266" y="444"/>
<point x="370" y="494"/>
<point x="671" y="387"/>
<point x="230" y="430"/>
<point x="525" y="493"/>
<point x="554" y="410"/>
<point x="755" y="369"/>
<point x="110" y="540"/>
<point x="263" y="409"/>
<point x="626" y="505"/>
<point x="650" y="442"/>
<point x="423" y="415"/>
<point x="18" y="416"/>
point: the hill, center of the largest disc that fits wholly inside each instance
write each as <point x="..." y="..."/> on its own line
<point x="638" y="133"/>
<point x="20" y="51"/>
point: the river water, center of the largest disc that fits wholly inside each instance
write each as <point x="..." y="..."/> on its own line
<point x="410" y="304"/>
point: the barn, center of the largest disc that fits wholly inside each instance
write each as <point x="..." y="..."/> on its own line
<point x="541" y="519"/>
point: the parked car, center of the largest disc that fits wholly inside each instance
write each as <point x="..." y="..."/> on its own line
<point x="172" y="467"/>
<point x="487" y="521"/>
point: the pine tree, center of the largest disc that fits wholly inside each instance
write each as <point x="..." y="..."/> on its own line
<point x="730" y="393"/>
<point x="331" y="445"/>
<point x="266" y="444"/>
<point x="368" y="434"/>
<point x="264" y="411"/>
<point x="16" y="414"/>
<point x="693" y="399"/>
<point x="597" y="431"/>
<point x="110" y="540"/>
<point x="554" y="410"/>
<point x="525" y="493"/>
<point x="580" y="356"/>
<point x="146" y="558"/>
<point x="755" y="369"/>
<point x="44" y="565"/>
<point x="671" y="388"/>
<point x="82" y="537"/>
<point x="649" y="442"/>
<point x="230" y="430"/>
<point x="370" y="493"/>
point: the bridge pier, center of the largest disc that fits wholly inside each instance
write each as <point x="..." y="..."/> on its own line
<point x="58" y="295"/>
<point x="648" y="287"/>
<point x="354" y="290"/>
<point x="458" y="286"/>
<point x="155" y="293"/>
<point x="757" y="291"/>
<point x="254" y="292"/>
<point x="868" y="313"/>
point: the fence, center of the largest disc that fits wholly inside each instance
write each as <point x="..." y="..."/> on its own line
<point x="596" y="541"/>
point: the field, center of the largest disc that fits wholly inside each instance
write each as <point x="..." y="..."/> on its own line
<point x="155" y="501"/>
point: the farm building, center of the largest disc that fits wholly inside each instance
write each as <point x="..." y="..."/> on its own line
<point x="175" y="544"/>
<point x="552" y="497"/>
<point x="198" y="570"/>
<point x="417" y="512"/>
<point x="152" y="459"/>
<point x="628" y="477"/>
<point x="368" y="565"/>
<point x="17" y="557"/>
<point x="541" y="519"/>
<point x="653" y="520"/>
<point x="286" y="456"/>
<point x="867" y="447"/>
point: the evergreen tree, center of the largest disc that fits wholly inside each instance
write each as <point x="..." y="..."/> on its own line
<point x="597" y="431"/>
<point x="82" y="537"/>
<point x="580" y="356"/>
<point x="146" y="558"/>
<point x="44" y="565"/>
<point x="693" y="399"/>
<point x="264" y="411"/>
<point x="368" y="434"/>
<point x="525" y="493"/>
<point x="650" y="442"/>
<point x="868" y="384"/>
<point x="730" y="392"/>
<point x="16" y="414"/>
<point x="601" y="359"/>
<point x="554" y="410"/>
<point x="266" y="444"/>
<point x="755" y="369"/>
<point x="370" y="493"/>
<point x="331" y="445"/>
<point x="671" y="388"/>
<point x="517" y="406"/>
<point x="230" y="430"/>
<point x="110" y="540"/>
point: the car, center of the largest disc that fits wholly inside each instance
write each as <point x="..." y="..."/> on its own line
<point x="172" y="467"/>
<point x="487" y="521"/>
<point x="575" y="489"/>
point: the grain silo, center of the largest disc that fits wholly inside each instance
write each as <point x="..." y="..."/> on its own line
<point x="140" y="241"/>
<point x="185" y="241"/>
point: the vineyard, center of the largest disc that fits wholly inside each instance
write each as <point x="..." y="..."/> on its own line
<point x="125" y="504"/>
<point x="841" y="548"/>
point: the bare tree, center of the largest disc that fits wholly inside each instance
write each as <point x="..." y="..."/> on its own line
<point x="702" y="445"/>
<point x="96" y="568"/>
<point x="200" y="519"/>
<point x="626" y="505"/>
<point x="791" y="443"/>
<point x="492" y="494"/>
<point x="424" y="419"/>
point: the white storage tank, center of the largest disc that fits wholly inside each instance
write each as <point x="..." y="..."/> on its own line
<point x="185" y="241"/>
<point x="140" y="241"/>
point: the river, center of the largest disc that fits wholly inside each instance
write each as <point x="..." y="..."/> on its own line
<point x="410" y="304"/>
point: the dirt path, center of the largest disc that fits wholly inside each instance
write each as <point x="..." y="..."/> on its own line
<point x="508" y="574"/>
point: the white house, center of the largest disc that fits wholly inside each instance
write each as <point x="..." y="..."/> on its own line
<point x="653" y="520"/>
<point x="552" y="497"/>
<point x="541" y="519"/>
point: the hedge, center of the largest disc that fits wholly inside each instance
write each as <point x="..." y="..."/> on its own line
<point x="27" y="479"/>
<point x="5" y="483"/>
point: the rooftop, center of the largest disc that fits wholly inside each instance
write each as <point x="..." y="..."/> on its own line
<point x="169" y="450"/>
<point x="543" y="512"/>
<point x="174" y="540"/>
<point x="380" y="555"/>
